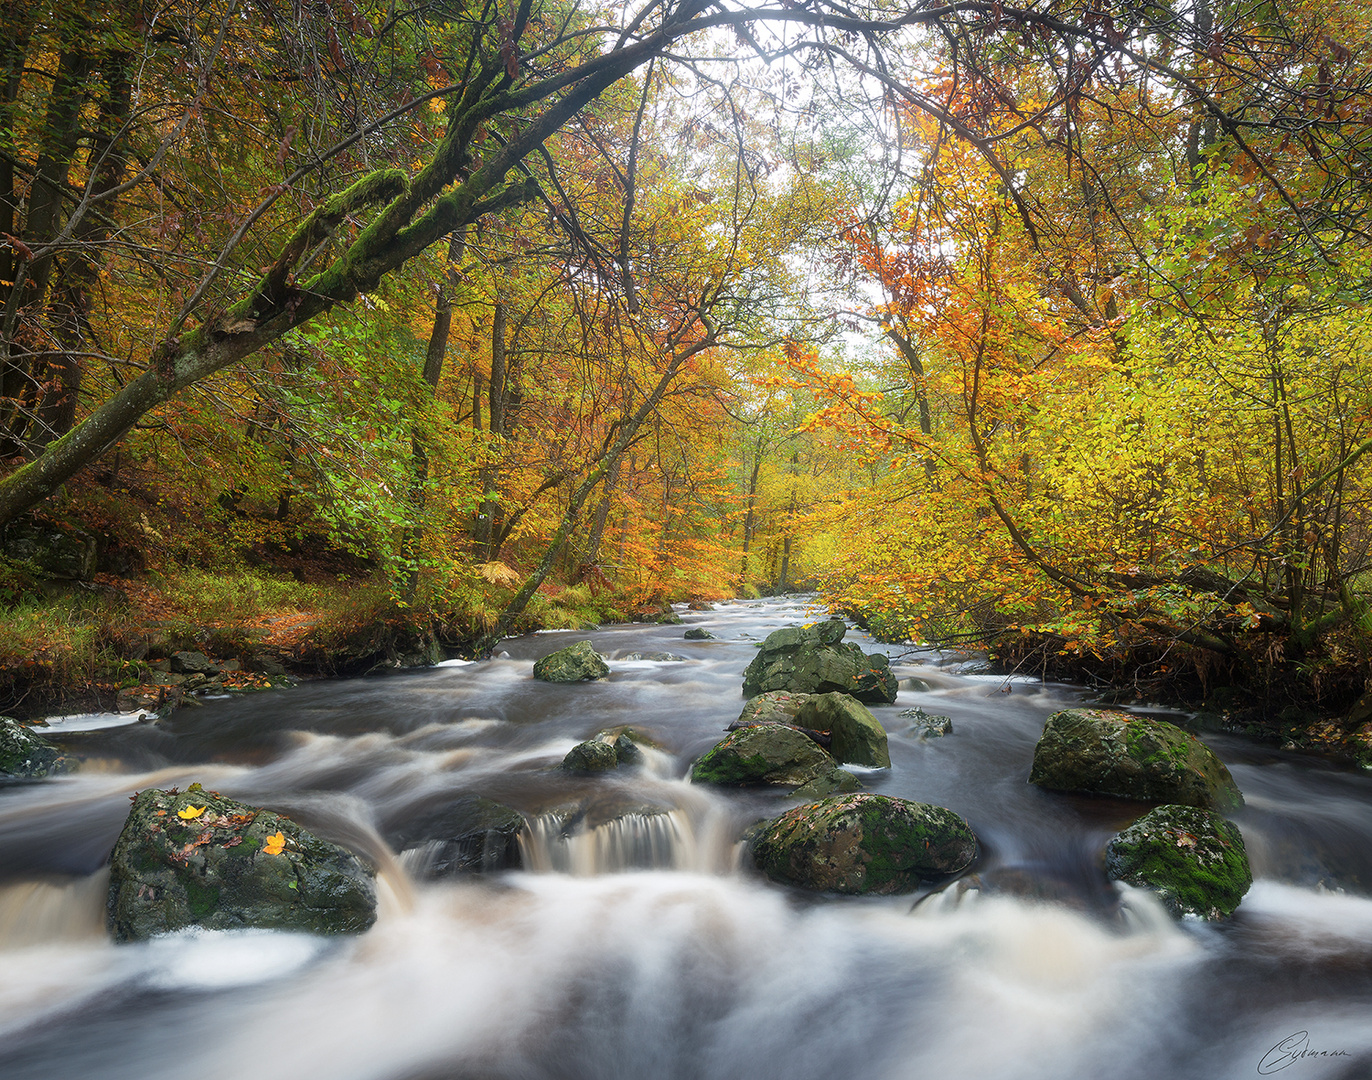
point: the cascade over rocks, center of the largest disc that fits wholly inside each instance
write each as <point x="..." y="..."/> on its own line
<point x="815" y="660"/>
<point x="863" y="843"/>
<point x="575" y="663"/>
<point x="1194" y="860"/>
<point x="770" y="754"/>
<point x="470" y="834"/>
<point x="198" y="859"/>
<point x="22" y="753"/>
<point x="1100" y="752"/>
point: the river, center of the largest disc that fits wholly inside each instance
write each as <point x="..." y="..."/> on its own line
<point x="638" y="947"/>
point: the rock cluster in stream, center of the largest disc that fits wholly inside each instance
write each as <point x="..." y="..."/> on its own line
<point x="22" y="753"/>
<point x="576" y="663"/>
<point x="816" y="660"/>
<point x="1190" y="856"/>
<point x="195" y="858"/>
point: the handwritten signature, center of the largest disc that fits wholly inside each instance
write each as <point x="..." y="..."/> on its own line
<point x="1292" y="1049"/>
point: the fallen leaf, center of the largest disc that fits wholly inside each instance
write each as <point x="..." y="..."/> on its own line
<point x="274" y="844"/>
<point x="234" y="842"/>
<point x="188" y="812"/>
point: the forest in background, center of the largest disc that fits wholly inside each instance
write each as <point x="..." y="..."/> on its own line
<point x="375" y="329"/>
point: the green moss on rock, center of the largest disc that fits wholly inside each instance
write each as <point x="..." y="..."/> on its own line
<point x="767" y="754"/>
<point x="1194" y="859"/>
<point x="22" y="753"/>
<point x="576" y="663"/>
<point x="1131" y="757"/>
<point x="863" y="843"/>
<point x="213" y="869"/>
<point x="816" y="660"/>
<point x="856" y="737"/>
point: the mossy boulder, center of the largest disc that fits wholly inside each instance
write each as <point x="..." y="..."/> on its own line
<point x="471" y="834"/>
<point x="1100" y="752"/>
<point x="766" y="754"/>
<point x="605" y="752"/>
<point x="22" y="753"/>
<point x="1193" y="859"/>
<point x="856" y="737"/>
<point x="196" y="858"/>
<point x="773" y="707"/>
<point x="815" y="660"/>
<point x="698" y="633"/>
<point x="863" y="843"/>
<point x="575" y="663"/>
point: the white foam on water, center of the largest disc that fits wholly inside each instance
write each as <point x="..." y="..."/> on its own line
<point x="197" y="959"/>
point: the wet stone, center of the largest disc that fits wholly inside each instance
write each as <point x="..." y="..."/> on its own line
<point x="195" y="858"/>
<point x="863" y="843"/>
<point x="22" y="753"/>
<point x="1193" y="859"/>
<point x="576" y="663"/>
<point x="1101" y="752"/>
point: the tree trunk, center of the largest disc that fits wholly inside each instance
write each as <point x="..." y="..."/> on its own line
<point x="433" y="373"/>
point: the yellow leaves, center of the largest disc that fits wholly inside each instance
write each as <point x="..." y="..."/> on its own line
<point x="186" y="813"/>
<point x="275" y="843"/>
<point x="497" y="573"/>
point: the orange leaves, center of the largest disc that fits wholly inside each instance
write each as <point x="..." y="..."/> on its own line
<point x="274" y="844"/>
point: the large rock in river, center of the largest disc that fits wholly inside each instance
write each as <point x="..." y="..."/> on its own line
<point x="575" y="663"/>
<point x="22" y="753"/>
<point x="856" y="737"/>
<point x="863" y="843"/>
<point x="198" y="859"/>
<point x="766" y="754"/>
<point x="816" y="660"/>
<point x="1194" y="860"/>
<point x="1131" y="757"/>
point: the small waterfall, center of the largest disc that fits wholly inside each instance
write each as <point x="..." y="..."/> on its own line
<point x="40" y="912"/>
<point x="640" y="840"/>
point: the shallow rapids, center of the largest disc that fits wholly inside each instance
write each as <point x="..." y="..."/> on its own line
<point x="636" y="944"/>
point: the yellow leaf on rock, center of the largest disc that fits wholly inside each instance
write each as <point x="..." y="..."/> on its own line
<point x="188" y="812"/>
<point x="274" y="844"/>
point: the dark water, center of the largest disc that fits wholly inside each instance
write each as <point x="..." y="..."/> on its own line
<point x="589" y="965"/>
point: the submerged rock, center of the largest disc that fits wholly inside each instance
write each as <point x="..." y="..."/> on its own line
<point x="863" y="843"/>
<point x="469" y="835"/>
<point x="1194" y="860"/>
<point x="766" y="754"/>
<point x="1131" y="757"/>
<point x="856" y="737"/>
<point x="928" y="725"/>
<point x="659" y="657"/>
<point x="199" y="859"/>
<point x="816" y="660"/>
<point x="698" y="633"/>
<point x="22" y="753"/>
<point x="575" y="663"/>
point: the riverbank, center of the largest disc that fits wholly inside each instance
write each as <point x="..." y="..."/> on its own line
<point x="152" y="643"/>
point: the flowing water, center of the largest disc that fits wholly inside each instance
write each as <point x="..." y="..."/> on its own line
<point x="635" y="944"/>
